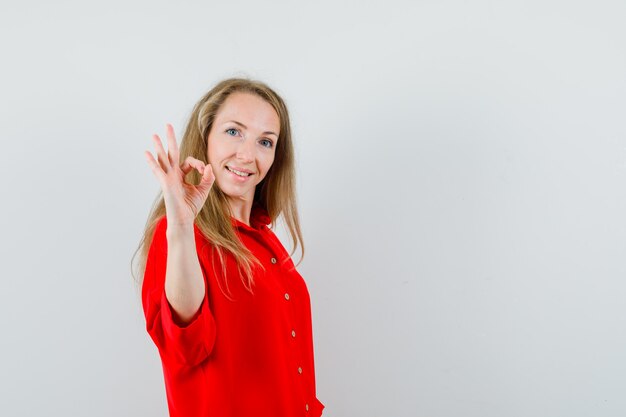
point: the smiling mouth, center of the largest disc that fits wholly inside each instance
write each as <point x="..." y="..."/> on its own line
<point x="234" y="171"/>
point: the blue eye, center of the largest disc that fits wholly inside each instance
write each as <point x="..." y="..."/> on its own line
<point x="228" y="130"/>
<point x="269" y="143"/>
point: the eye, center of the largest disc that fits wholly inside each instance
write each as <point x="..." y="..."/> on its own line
<point x="267" y="143"/>
<point x="234" y="130"/>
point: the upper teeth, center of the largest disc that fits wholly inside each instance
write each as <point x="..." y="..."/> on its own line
<point x="243" y="174"/>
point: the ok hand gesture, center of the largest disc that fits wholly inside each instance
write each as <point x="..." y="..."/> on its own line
<point x="182" y="201"/>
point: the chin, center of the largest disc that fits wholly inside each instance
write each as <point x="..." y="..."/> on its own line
<point x="233" y="192"/>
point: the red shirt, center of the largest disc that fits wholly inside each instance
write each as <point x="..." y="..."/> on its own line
<point x="249" y="357"/>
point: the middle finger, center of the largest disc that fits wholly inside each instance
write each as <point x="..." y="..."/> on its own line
<point x="172" y="146"/>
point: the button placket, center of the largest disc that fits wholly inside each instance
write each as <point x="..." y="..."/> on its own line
<point x="283" y="277"/>
<point x="287" y="295"/>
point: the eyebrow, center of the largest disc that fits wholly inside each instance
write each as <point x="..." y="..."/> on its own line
<point x="245" y="127"/>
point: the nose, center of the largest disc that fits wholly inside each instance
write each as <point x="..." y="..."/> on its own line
<point x="245" y="150"/>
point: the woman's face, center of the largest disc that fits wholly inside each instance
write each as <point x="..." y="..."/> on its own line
<point x="243" y="138"/>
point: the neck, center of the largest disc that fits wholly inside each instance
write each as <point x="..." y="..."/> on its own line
<point x="241" y="209"/>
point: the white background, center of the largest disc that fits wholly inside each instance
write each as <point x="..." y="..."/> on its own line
<point x="461" y="173"/>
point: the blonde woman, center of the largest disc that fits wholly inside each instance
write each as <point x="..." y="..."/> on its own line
<point x="226" y="308"/>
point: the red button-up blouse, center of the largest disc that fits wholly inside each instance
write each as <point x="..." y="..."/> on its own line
<point x="249" y="357"/>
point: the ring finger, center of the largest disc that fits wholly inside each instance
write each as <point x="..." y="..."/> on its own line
<point x="162" y="158"/>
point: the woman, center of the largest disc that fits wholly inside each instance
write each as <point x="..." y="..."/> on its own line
<point x="223" y="302"/>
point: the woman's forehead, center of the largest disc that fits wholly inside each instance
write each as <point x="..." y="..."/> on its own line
<point x="249" y="110"/>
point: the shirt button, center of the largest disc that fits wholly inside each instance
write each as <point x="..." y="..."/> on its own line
<point x="299" y="369"/>
<point x="306" y="406"/>
<point x="286" y="296"/>
<point x="273" y="260"/>
<point x="293" y="333"/>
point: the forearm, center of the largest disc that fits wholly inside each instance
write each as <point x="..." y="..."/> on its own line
<point x="184" y="282"/>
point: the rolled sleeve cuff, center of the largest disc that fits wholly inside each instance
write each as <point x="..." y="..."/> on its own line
<point x="193" y="341"/>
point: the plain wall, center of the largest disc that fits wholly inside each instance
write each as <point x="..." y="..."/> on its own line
<point x="461" y="174"/>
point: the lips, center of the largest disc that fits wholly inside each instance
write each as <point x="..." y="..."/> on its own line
<point x="239" y="172"/>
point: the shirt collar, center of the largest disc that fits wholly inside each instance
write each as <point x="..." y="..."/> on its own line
<point x="258" y="219"/>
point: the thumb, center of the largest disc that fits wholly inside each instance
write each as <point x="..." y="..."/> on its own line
<point x="207" y="178"/>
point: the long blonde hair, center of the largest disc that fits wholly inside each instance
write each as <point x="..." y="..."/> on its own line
<point x="275" y="193"/>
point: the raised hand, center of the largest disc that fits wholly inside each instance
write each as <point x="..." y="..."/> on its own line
<point x="182" y="201"/>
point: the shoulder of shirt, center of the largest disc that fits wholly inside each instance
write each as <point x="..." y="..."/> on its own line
<point x="259" y="219"/>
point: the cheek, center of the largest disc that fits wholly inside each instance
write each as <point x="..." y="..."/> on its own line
<point x="214" y="153"/>
<point x="268" y="161"/>
<point x="209" y="151"/>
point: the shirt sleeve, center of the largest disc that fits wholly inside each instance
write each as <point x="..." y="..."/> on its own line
<point x="187" y="344"/>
